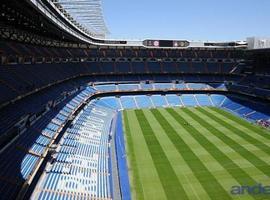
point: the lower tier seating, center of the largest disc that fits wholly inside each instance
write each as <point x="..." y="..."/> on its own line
<point x="20" y="159"/>
<point x="250" y="110"/>
<point x="81" y="165"/>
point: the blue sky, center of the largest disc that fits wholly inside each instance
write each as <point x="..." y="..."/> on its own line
<point x="217" y="20"/>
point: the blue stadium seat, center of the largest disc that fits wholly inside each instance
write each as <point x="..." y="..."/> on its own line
<point x="159" y="101"/>
<point x="128" y="102"/>
<point x="213" y="67"/>
<point x="163" y="86"/>
<point x="138" y="67"/>
<point x="110" y="102"/>
<point x="203" y="100"/>
<point x="122" y="67"/>
<point x="184" y="67"/>
<point x="217" y="99"/>
<point x="154" y="67"/>
<point x="143" y="101"/>
<point x="110" y="87"/>
<point x="128" y="86"/>
<point x="81" y="165"/>
<point x="169" y="67"/>
<point x="197" y="86"/>
<point x="180" y="86"/>
<point x="107" y="67"/>
<point x="188" y="100"/>
<point x="198" y="67"/>
<point x="145" y="86"/>
<point x="173" y="100"/>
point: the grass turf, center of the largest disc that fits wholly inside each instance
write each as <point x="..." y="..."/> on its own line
<point x="194" y="153"/>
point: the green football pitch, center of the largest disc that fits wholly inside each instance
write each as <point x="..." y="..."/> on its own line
<point x="195" y="153"/>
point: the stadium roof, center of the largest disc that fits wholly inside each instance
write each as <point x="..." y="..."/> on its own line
<point x="88" y="13"/>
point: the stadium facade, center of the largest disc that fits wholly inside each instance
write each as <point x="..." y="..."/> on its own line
<point x="63" y="87"/>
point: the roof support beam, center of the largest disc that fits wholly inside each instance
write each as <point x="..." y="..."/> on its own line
<point x="87" y="14"/>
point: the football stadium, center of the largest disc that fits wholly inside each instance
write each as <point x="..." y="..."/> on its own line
<point x="86" y="117"/>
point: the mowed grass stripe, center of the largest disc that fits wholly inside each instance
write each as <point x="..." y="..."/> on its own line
<point x="149" y="177"/>
<point x="257" y="162"/>
<point x="234" y="170"/>
<point x="200" y="171"/>
<point x="247" y="127"/>
<point x="216" y="169"/>
<point x="136" y="182"/>
<point x="219" y="121"/>
<point x="258" y="143"/>
<point x="256" y="129"/>
<point x="238" y="159"/>
<point x="171" y="185"/>
<point x="191" y="185"/>
<point x="241" y="161"/>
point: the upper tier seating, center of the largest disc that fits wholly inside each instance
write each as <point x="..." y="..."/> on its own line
<point x="18" y="80"/>
<point x="27" y="50"/>
<point x="12" y="113"/>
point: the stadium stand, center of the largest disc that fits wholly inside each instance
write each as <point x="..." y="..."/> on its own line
<point x="128" y="102"/>
<point x="32" y="145"/>
<point x="173" y="100"/>
<point x="252" y="110"/>
<point x="143" y="101"/>
<point x="81" y="164"/>
<point x="62" y="94"/>
<point x="30" y="115"/>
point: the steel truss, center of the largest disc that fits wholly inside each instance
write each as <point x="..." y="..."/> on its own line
<point x="86" y="14"/>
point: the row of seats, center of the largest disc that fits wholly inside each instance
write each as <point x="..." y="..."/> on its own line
<point x="253" y="83"/>
<point x="166" y="78"/>
<point x="17" y="80"/>
<point x="80" y="169"/>
<point x="253" y="111"/>
<point x="250" y="110"/>
<point x="256" y="81"/>
<point x="35" y="104"/>
<point x="153" y="86"/>
<point x="162" y="67"/>
<point x="261" y="92"/>
<point x="152" y="101"/>
<point x="19" y="160"/>
<point x="12" y="48"/>
<point x="11" y="114"/>
<point x="81" y="164"/>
